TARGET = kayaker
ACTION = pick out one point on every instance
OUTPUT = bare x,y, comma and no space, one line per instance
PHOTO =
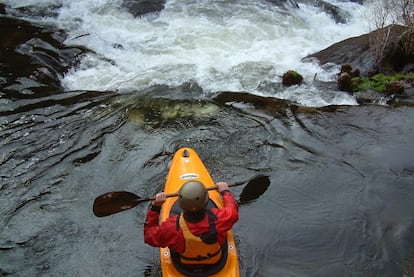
197,233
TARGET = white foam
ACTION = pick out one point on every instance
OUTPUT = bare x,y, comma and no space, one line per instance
222,45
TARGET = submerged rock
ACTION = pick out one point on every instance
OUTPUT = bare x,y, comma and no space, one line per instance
338,14
270,106
142,7
155,111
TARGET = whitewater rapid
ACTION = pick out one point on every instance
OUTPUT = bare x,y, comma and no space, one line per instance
221,45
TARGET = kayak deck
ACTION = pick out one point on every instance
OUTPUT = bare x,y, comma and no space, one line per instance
186,165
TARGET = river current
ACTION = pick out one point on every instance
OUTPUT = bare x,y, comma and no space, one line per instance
341,197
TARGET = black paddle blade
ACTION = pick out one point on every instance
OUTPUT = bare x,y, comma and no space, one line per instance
114,202
256,187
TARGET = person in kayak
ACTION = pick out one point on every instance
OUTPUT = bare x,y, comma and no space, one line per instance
198,233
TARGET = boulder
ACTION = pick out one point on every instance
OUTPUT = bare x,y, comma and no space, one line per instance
142,7
370,57
345,77
291,78
345,82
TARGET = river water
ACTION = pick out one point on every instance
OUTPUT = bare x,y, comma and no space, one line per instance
341,198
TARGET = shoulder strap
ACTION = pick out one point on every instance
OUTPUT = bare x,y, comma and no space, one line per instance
177,223
211,236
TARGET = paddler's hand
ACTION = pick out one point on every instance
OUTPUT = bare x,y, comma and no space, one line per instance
159,199
222,186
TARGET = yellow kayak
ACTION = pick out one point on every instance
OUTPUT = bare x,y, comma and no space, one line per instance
187,165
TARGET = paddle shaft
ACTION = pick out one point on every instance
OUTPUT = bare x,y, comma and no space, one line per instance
176,193
118,201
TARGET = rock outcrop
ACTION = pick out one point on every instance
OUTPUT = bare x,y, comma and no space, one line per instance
395,55
34,58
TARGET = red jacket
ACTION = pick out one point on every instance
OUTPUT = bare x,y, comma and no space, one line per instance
166,234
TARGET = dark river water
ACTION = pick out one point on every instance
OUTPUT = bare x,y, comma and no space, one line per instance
340,201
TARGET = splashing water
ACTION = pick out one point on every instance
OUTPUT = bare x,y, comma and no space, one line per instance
221,45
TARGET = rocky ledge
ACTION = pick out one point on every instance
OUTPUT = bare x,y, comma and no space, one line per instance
381,59
387,50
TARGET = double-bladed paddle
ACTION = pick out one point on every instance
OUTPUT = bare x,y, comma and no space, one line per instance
118,201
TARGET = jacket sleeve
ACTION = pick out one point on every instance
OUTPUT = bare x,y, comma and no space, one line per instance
229,214
159,235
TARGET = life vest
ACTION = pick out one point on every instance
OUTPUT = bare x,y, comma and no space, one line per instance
198,251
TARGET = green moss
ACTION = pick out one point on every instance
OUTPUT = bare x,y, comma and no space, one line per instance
378,82
295,74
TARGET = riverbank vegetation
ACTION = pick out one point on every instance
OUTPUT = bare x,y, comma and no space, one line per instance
393,55
399,12
390,84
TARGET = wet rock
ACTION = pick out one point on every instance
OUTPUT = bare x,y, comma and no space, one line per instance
354,51
191,87
2,8
338,14
3,272
291,78
43,267
345,77
347,68
267,105
282,3
345,82
33,58
360,52
157,112
142,7
118,46
35,11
